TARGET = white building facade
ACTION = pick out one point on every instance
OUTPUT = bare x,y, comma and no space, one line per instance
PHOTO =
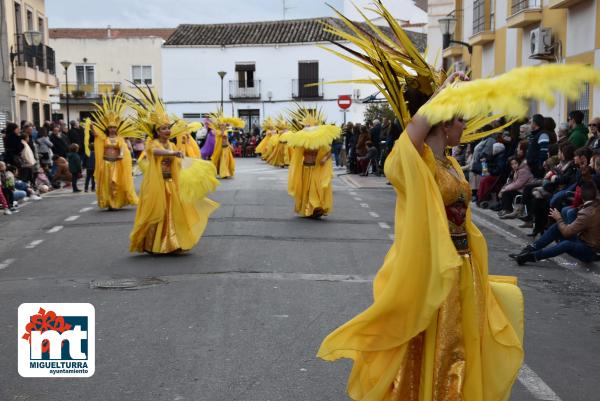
104,61
267,66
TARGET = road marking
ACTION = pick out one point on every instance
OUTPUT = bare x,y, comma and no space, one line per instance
356,198
54,229
267,178
391,236
72,218
6,263
374,215
353,193
365,205
33,244
281,316
94,203
86,209
535,385
384,225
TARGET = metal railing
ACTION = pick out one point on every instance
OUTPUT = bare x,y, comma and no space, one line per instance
301,91
40,56
520,5
90,90
244,89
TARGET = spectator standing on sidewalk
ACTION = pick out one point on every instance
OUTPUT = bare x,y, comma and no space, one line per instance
13,146
44,145
74,165
578,133
594,139
537,151
90,168
28,160
580,239
60,146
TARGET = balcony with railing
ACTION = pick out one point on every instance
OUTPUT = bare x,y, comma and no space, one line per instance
524,13
34,63
88,92
244,90
307,88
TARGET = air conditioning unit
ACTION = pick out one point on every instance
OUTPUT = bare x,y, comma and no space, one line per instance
356,94
541,45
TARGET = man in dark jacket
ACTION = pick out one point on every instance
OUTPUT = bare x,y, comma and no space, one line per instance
376,134
76,135
60,145
537,150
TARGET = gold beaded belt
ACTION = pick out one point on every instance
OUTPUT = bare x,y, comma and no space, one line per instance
110,158
310,164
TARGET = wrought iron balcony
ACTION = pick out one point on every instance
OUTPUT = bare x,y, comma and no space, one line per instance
40,56
249,89
300,90
520,5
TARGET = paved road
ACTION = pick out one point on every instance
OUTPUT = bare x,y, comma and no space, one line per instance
242,315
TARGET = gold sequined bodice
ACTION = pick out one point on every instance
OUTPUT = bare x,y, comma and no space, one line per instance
456,194
112,150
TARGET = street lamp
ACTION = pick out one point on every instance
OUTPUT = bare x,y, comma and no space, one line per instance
222,75
33,38
66,65
447,26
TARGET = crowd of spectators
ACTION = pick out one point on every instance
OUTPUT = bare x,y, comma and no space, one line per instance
538,174
38,160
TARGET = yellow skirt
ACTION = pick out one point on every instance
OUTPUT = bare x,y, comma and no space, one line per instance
316,192
226,164
111,188
279,156
180,229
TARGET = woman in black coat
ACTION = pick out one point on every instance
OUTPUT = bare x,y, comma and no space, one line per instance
13,145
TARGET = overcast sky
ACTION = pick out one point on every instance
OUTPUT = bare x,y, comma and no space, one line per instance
170,13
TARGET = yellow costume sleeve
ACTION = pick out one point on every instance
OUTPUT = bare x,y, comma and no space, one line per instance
216,156
295,171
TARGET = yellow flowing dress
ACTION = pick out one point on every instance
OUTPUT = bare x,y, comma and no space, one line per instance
188,145
278,156
440,328
270,145
164,222
262,146
311,184
113,175
222,156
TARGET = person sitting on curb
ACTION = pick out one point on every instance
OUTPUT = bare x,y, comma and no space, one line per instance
580,239
370,158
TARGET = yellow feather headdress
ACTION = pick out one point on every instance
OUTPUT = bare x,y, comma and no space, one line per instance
151,113
269,124
281,124
218,119
315,133
111,113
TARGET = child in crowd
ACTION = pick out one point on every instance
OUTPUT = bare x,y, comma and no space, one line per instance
90,166
74,165
42,182
60,171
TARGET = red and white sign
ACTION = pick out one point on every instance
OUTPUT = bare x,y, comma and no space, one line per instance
344,101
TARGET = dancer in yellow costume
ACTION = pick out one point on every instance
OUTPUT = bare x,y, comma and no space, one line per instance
440,327
173,210
222,156
279,156
187,144
265,146
113,169
311,170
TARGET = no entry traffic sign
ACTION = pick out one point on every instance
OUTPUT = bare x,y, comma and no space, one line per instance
344,101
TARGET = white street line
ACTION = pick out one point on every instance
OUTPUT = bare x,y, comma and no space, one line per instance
72,218
391,236
535,385
384,225
6,263
54,229
86,209
94,203
356,198
353,193
33,244
374,215
267,178
365,205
